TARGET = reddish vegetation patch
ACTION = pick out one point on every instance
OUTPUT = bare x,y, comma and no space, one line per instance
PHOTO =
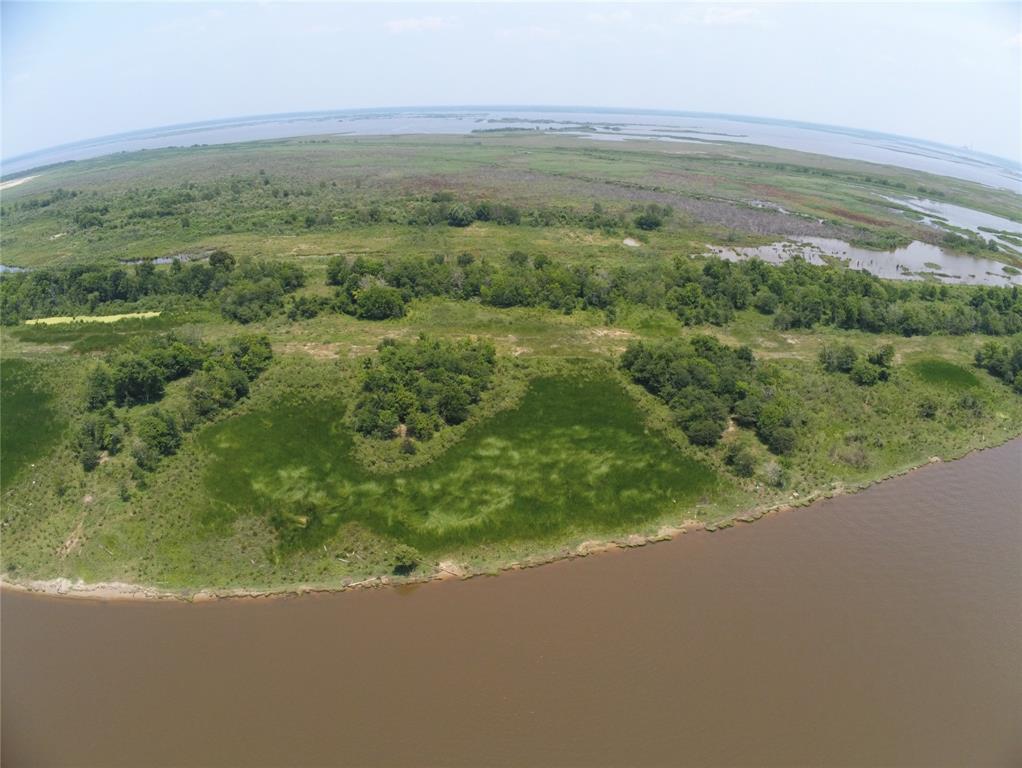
859,217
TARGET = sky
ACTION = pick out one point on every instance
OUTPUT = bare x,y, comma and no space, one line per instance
947,72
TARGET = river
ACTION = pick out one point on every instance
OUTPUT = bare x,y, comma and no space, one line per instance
883,628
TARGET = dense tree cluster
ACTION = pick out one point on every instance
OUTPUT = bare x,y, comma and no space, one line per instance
797,294
705,382
1003,360
866,371
248,291
219,377
417,388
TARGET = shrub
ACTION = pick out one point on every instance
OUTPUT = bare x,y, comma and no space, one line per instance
865,373
405,558
838,358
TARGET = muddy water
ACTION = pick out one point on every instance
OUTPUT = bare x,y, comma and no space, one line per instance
878,629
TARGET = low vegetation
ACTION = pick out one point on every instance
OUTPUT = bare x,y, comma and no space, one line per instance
346,366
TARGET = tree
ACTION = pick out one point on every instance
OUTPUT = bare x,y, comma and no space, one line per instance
99,387
379,302
221,260
136,380
460,216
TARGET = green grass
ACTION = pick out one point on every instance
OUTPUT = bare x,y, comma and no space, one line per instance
575,454
29,425
944,374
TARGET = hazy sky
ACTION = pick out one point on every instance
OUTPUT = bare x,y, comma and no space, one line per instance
946,72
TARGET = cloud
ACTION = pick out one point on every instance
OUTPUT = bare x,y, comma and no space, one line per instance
731,16
1015,41
419,24
614,17
530,32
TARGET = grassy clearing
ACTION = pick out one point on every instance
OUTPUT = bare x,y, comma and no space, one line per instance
944,374
574,453
29,424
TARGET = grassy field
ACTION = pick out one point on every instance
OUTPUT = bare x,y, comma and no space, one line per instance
303,198
281,491
29,425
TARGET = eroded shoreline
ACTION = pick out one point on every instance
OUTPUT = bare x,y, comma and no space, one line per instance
447,570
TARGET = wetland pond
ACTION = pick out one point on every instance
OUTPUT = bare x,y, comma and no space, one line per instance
915,261
883,628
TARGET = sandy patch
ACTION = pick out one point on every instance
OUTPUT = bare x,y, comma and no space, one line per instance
91,319
16,182
448,569
631,242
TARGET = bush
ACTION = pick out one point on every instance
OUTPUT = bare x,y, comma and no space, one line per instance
158,435
927,408
838,358
741,459
405,558
865,373
703,432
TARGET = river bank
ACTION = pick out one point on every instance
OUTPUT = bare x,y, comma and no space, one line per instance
448,569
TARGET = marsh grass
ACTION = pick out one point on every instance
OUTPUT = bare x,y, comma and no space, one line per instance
29,424
575,453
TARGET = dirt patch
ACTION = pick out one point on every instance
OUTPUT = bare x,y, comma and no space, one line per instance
631,242
74,539
612,333
319,351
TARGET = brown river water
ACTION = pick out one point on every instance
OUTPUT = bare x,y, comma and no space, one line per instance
883,628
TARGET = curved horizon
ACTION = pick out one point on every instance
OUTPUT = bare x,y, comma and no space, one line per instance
836,141
403,108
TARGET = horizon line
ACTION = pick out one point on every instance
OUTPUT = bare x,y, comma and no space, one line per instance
267,116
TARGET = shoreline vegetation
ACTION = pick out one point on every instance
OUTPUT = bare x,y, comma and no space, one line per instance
450,570
350,362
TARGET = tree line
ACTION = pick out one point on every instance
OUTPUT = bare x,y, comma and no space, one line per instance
795,294
246,291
